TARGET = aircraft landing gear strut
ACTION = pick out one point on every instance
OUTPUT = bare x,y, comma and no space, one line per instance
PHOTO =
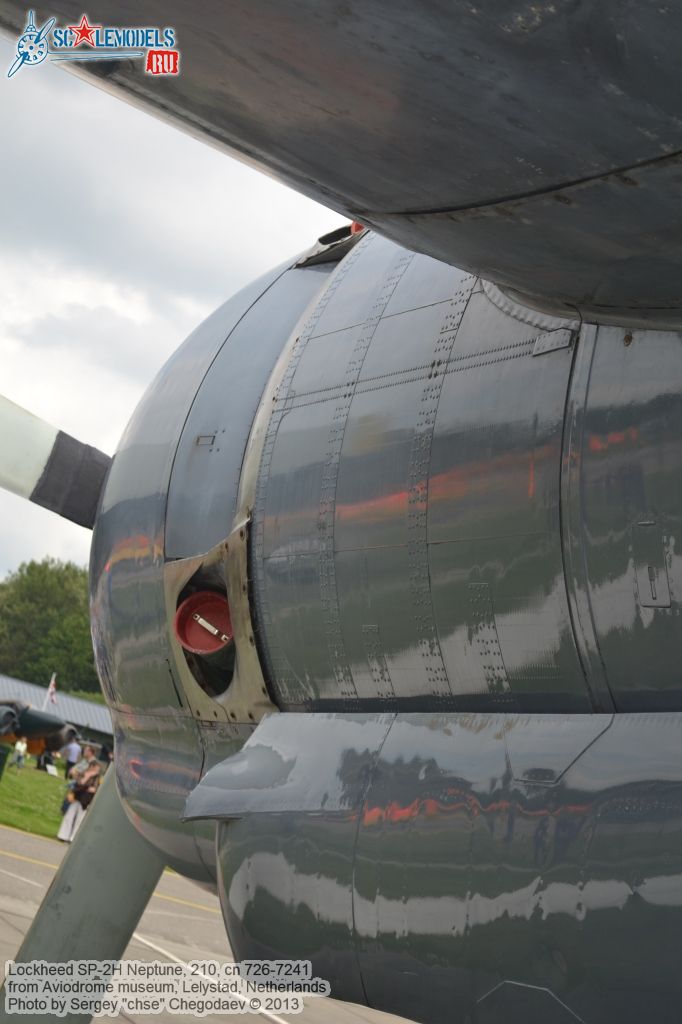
96,898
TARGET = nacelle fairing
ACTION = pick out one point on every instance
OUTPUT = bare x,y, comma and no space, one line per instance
446,527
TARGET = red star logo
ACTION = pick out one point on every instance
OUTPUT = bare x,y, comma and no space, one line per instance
84,32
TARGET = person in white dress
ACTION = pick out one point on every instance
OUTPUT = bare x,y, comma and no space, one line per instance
85,777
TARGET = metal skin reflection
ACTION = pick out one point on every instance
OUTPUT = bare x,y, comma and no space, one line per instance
447,766
459,510
459,889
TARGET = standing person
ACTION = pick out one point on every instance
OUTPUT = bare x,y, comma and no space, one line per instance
44,759
85,776
72,754
20,749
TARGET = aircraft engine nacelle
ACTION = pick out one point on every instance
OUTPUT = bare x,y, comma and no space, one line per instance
386,575
171,527
7,719
431,535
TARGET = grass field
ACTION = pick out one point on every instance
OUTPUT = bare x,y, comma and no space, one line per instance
31,800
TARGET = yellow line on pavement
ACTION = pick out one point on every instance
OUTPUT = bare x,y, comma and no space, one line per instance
186,903
155,895
28,860
54,841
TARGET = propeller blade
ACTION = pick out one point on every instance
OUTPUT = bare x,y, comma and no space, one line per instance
49,467
18,63
46,28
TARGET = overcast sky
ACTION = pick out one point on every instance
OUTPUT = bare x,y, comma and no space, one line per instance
118,235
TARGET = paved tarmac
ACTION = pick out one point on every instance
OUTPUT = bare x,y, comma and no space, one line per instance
182,922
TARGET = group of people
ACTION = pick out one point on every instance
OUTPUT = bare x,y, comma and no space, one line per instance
83,772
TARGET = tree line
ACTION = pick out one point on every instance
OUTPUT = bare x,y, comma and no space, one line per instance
45,625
